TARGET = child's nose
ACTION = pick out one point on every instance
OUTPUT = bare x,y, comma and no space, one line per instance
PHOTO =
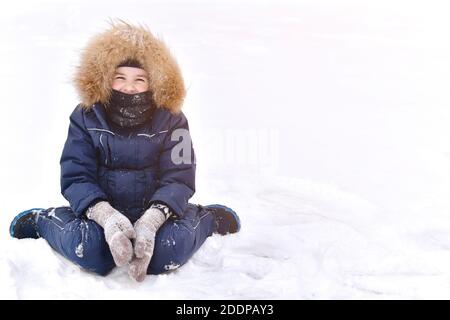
130,89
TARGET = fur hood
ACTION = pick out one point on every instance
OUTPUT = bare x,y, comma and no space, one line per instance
122,41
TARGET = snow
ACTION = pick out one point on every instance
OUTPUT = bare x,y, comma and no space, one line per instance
323,125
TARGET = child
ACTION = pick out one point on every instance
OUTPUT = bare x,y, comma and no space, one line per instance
122,171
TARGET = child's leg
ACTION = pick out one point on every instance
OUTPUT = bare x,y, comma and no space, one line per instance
178,239
80,240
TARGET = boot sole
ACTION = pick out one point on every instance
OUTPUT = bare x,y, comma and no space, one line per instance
20,215
235,224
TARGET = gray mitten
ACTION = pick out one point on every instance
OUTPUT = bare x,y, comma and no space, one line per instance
146,228
118,231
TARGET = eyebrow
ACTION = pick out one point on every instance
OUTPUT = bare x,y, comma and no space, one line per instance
139,75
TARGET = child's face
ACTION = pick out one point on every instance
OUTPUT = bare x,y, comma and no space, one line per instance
130,80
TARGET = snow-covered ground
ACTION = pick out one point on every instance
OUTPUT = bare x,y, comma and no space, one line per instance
324,124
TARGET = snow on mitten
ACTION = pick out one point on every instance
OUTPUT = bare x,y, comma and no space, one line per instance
146,228
118,231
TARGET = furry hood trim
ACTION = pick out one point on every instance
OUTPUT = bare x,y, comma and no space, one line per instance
105,51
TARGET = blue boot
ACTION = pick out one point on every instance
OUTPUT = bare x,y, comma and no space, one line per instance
24,224
225,219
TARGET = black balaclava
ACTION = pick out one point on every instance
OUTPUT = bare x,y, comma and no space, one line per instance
129,110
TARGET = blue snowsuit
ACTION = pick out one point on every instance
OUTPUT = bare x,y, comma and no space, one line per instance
131,169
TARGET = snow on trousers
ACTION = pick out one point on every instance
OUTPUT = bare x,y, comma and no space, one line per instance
82,241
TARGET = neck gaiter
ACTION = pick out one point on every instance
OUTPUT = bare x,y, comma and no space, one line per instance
129,110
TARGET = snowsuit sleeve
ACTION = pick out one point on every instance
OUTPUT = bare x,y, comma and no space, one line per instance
177,180
79,166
